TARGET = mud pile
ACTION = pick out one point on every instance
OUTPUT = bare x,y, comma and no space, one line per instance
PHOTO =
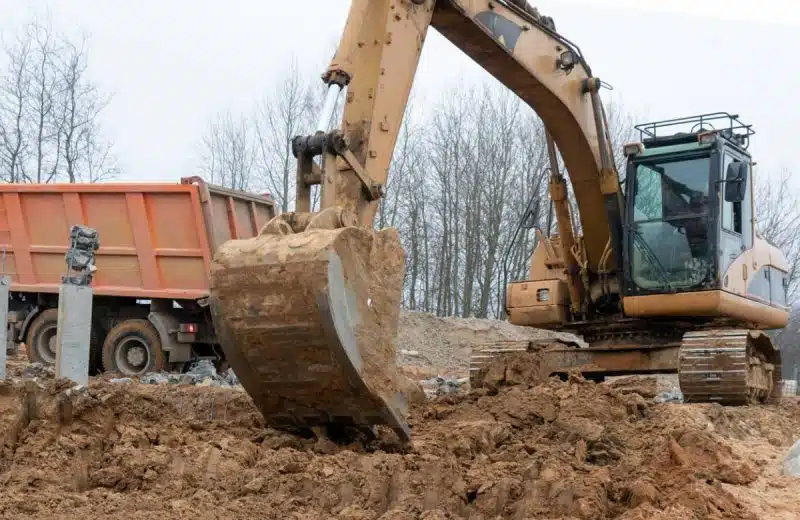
556,450
428,345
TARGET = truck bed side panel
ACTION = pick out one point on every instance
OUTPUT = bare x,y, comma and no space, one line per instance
156,240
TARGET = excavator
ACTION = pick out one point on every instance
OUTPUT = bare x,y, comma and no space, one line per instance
663,272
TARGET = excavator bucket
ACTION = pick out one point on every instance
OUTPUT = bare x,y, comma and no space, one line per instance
307,321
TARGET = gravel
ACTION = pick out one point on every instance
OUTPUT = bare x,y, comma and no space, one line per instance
37,370
439,386
201,373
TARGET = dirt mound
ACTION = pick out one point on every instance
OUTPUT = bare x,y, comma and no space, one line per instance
557,450
442,346
513,369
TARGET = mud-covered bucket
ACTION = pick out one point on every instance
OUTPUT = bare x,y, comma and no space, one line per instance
308,320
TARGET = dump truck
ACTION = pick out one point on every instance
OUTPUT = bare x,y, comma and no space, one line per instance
665,274
151,286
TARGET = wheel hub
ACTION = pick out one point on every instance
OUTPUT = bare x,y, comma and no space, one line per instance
46,346
136,355
132,356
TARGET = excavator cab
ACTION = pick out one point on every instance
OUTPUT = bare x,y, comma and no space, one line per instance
688,248
690,226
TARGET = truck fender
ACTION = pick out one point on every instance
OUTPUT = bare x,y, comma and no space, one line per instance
164,324
26,323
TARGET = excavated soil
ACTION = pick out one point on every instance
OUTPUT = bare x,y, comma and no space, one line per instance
429,345
527,448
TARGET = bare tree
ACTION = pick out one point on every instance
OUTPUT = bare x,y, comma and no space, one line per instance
98,162
14,96
50,110
45,88
253,151
448,158
79,108
285,112
228,151
462,189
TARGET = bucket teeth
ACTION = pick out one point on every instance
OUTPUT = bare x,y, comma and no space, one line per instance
307,322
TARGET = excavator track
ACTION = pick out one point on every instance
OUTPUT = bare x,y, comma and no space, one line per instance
730,367
307,322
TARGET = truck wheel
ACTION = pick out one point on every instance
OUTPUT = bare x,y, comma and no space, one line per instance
133,348
40,341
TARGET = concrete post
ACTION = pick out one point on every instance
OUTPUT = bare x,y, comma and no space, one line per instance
795,378
75,307
5,284
74,330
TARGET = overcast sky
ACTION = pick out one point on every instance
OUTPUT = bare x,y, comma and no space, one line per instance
172,64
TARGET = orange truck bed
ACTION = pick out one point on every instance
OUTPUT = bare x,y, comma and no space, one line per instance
156,239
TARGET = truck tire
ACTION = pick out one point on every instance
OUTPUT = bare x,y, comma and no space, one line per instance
40,341
133,348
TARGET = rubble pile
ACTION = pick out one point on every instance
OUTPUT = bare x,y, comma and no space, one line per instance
35,371
202,373
439,386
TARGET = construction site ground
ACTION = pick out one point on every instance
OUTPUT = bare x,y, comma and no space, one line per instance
526,448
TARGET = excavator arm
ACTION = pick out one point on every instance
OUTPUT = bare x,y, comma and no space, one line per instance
376,61
307,311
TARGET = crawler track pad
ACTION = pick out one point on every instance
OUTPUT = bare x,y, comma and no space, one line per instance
307,321
730,367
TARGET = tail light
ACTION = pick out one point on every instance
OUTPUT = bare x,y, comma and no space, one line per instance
188,328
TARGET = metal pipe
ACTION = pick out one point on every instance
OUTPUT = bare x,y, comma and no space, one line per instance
552,154
609,179
328,107
606,162
566,229
324,121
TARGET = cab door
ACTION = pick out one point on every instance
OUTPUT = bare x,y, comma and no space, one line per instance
735,224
